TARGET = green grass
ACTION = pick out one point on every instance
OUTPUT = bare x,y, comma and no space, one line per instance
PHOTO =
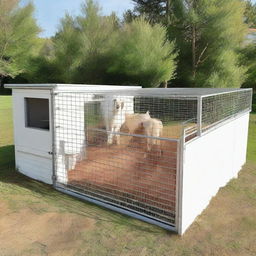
254,103
6,132
251,150
37,220
6,123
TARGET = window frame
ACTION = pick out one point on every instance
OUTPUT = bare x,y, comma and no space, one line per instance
26,114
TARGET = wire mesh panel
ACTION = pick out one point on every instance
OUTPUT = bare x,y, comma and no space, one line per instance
123,175
121,149
219,107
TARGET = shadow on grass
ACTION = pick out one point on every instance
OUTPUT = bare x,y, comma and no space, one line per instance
4,91
6,159
20,184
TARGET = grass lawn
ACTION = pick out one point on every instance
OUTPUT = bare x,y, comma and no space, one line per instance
37,220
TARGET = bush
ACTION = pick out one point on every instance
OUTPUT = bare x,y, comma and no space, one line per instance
143,55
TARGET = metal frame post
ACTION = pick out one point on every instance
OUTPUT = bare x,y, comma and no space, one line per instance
199,116
251,99
179,183
54,177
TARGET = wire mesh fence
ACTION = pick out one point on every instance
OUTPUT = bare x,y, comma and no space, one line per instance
220,107
123,148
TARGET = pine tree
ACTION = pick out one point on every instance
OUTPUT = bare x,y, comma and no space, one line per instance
250,14
18,37
208,34
81,45
155,11
142,55
67,49
248,57
96,36
215,32
93,48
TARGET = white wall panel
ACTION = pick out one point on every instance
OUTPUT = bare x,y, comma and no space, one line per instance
210,161
35,167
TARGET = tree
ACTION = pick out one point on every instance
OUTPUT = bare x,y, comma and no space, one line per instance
96,35
18,37
67,48
93,48
43,67
135,53
215,30
208,34
248,57
155,11
143,55
81,45
250,14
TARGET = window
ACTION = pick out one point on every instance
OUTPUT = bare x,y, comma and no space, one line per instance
37,113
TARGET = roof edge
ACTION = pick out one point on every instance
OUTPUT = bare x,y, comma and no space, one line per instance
64,86
30,86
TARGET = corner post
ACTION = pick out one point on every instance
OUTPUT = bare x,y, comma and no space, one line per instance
179,182
54,177
199,116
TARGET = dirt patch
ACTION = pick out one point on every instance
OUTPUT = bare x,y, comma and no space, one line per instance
226,227
42,233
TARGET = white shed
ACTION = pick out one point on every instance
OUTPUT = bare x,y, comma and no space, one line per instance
185,145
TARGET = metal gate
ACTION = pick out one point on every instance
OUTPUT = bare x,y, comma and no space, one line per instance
132,171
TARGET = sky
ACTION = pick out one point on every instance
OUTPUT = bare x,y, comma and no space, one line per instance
49,12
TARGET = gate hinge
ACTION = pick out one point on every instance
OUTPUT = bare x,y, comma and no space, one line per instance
50,153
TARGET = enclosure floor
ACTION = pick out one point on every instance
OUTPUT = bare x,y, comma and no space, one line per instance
127,173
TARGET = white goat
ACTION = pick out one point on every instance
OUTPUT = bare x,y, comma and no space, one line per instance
153,128
114,116
133,121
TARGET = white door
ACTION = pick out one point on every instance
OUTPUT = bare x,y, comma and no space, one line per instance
33,136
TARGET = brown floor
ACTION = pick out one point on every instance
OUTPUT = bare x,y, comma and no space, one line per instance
127,173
